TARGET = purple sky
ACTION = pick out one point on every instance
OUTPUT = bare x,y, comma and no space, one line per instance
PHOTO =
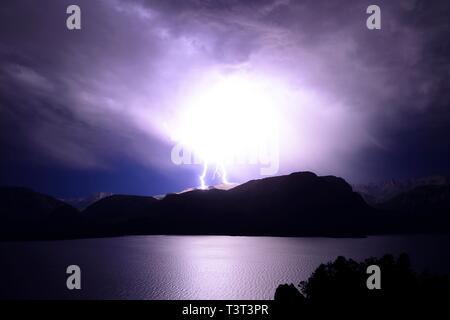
89,110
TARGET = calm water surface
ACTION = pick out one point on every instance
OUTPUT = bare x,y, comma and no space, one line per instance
191,267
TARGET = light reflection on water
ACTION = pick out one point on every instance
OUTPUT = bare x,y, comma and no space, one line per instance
191,267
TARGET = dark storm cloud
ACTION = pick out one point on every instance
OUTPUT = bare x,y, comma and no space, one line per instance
63,89
85,98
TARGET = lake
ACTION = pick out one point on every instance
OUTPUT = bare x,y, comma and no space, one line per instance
192,267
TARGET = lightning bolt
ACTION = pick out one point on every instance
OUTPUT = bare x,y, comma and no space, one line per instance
219,166
203,175
223,173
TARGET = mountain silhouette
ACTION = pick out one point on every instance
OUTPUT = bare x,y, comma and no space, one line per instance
299,204
421,200
422,209
377,193
26,214
296,204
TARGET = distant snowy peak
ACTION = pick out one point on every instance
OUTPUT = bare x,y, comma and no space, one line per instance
375,193
83,203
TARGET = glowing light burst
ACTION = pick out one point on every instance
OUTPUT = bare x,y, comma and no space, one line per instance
219,166
225,121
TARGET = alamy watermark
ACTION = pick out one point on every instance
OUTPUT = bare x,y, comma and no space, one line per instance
73,281
265,155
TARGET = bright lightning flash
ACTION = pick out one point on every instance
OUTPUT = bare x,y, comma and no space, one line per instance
225,121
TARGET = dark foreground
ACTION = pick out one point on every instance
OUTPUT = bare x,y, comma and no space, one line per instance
339,289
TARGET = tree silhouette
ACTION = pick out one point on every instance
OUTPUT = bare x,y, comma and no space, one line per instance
339,288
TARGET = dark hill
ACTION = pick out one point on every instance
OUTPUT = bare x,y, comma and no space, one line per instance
28,214
120,207
297,204
111,215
